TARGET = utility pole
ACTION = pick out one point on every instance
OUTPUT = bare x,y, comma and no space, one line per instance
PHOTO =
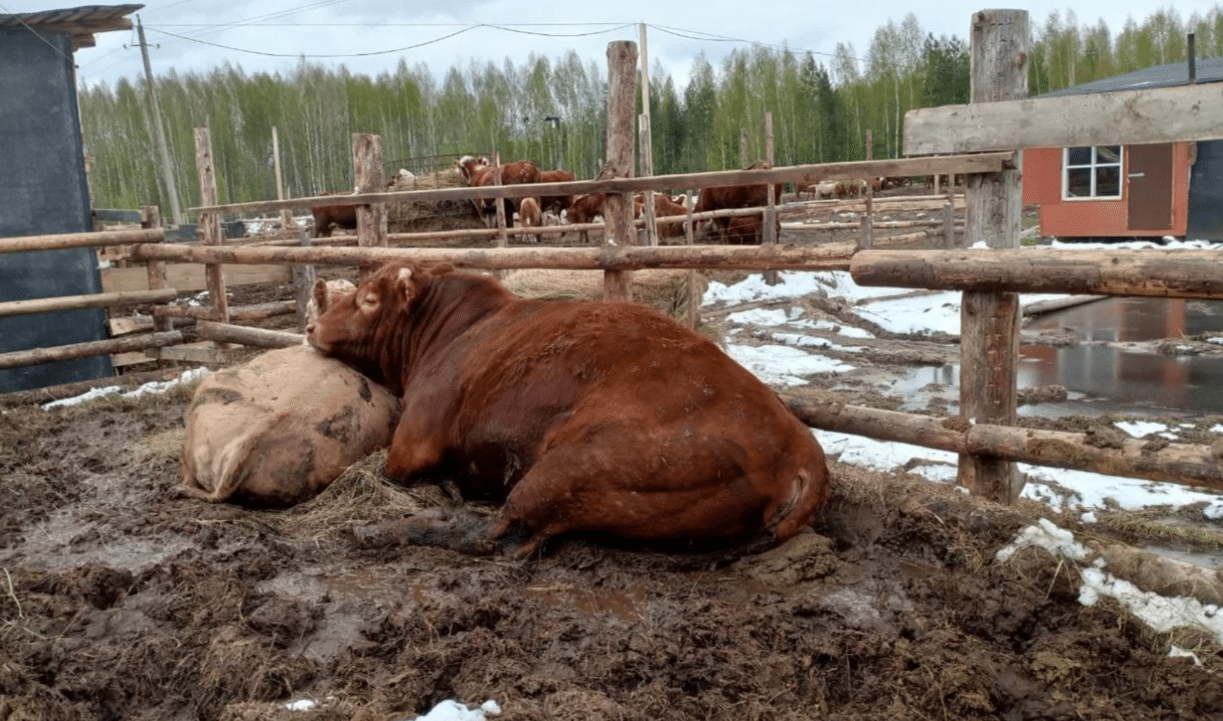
166,168
647,151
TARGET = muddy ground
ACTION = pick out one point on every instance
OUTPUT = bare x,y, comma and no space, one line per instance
120,600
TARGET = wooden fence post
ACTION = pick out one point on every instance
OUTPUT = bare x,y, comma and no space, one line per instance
768,229
868,227
367,174
618,207
150,217
210,222
650,226
303,282
948,225
989,322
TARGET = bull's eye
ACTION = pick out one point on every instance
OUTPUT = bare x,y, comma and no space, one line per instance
370,301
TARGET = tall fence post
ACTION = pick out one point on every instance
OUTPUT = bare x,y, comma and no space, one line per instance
989,322
367,175
150,217
210,222
618,207
868,218
768,224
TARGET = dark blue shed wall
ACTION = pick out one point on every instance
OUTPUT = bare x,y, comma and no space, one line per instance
43,190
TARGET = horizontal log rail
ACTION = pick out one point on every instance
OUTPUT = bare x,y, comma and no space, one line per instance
259,337
800,174
1179,463
77,302
830,256
1131,273
81,240
37,356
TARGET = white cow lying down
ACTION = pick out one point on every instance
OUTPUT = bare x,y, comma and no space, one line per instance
280,428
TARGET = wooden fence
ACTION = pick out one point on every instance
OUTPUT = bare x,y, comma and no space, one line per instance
984,434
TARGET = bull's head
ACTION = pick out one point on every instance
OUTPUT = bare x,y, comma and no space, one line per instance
365,328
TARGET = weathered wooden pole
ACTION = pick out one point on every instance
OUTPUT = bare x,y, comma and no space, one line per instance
367,174
650,227
989,322
503,239
868,228
948,225
210,222
768,230
646,145
303,282
690,238
286,216
618,207
150,218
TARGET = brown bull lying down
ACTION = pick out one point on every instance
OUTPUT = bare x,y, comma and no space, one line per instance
281,428
600,417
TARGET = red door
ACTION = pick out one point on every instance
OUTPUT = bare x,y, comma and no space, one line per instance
1150,187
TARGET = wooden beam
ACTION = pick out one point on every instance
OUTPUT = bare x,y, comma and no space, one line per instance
209,222
367,174
190,278
259,337
1127,273
799,174
1155,115
1185,464
80,240
37,356
829,256
205,353
618,206
94,300
989,320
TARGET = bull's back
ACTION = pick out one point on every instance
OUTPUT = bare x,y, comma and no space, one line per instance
280,428
536,366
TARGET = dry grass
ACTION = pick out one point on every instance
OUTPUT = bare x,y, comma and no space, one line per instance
360,496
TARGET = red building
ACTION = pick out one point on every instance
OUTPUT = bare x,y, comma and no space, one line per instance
1123,191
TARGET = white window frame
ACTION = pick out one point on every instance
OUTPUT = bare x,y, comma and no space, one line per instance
1094,166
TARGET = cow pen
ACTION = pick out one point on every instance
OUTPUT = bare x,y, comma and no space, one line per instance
992,276
910,601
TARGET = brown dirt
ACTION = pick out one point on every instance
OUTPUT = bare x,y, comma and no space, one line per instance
120,600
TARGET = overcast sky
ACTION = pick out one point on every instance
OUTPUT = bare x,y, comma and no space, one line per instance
445,34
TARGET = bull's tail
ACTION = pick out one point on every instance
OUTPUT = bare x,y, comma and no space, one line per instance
809,490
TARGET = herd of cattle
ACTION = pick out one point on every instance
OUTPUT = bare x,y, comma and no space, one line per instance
535,211
593,417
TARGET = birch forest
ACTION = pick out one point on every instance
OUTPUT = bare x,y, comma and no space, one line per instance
553,110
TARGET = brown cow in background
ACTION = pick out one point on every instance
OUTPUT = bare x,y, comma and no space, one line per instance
584,209
477,172
556,203
329,217
736,196
589,417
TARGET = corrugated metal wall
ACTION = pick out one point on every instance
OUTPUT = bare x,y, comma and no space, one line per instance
1206,193
43,190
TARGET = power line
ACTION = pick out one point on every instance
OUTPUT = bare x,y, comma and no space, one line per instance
302,55
460,31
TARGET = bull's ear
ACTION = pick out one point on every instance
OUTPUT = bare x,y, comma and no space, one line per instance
320,294
369,267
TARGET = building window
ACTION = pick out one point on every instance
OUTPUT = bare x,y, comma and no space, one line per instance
1092,172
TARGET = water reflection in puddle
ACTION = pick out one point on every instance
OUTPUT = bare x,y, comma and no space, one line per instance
1108,378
